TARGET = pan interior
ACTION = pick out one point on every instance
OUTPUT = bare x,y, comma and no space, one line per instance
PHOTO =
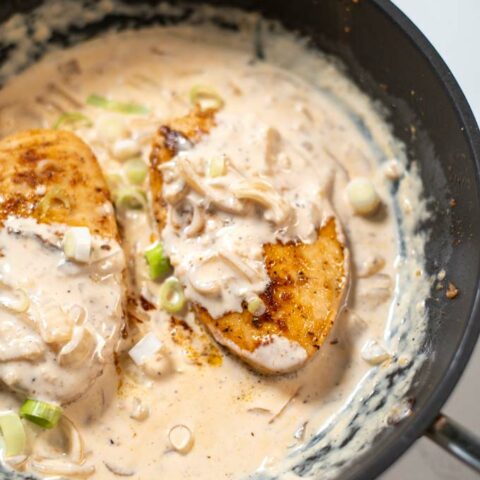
439,149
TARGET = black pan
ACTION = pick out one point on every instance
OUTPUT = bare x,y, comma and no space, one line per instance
392,61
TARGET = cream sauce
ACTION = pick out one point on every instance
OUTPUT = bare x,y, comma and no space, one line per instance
286,179
57,343
329,133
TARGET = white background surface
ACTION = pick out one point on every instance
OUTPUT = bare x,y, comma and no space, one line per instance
453,27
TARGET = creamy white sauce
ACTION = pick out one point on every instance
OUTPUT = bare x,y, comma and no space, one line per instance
330,133
278,355
275,189
60,342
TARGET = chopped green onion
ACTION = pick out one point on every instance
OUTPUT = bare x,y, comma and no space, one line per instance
115,106
172,298
206,98
158,264
363,196
136,171
77,244
145,349
256,306
72,119
44,414
217,167
55,198
131,198
13,434
181,438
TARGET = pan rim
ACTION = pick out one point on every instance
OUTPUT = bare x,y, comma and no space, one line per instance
372,466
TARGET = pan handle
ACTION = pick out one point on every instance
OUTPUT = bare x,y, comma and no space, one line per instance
456,440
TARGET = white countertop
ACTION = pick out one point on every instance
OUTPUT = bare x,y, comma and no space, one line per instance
453,27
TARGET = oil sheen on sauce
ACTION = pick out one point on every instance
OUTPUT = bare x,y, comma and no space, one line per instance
324,132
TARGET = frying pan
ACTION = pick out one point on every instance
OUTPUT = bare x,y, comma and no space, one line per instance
392,61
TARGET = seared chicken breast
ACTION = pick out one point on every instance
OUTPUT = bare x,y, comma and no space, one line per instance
61,281
39,165
306,286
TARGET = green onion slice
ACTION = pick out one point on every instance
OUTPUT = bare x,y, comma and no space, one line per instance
158,264
44,414
172,298
13,433
205,98
130,198
55,198
217,167
115,106
136,171
256,306
72,119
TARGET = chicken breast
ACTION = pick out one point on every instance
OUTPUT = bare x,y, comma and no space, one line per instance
60,308
306,281
52,176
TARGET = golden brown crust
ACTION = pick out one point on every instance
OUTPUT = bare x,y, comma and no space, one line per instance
307,282
305,292
53,176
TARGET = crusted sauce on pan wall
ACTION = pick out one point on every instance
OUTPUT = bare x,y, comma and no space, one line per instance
297,122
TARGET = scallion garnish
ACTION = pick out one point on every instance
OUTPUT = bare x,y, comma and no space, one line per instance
131,198
158,264
172,298
256,306
181,438
113,105
217,167
77,244
136,171
55,198
72,119
44,414
145,349
205,98
13,433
